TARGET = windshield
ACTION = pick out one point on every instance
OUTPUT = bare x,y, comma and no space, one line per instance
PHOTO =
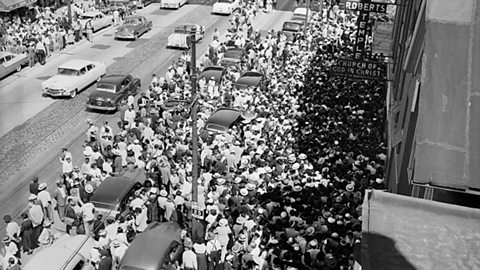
67,71
86,17
233,54
291,26
106,87
224,1
132,21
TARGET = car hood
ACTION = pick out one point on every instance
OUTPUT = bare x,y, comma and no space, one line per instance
127,27
101,95
221,5
60,81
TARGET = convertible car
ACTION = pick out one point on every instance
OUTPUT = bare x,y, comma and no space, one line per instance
178,39
172,3
10,62
98,20
72,77
225,6
292,28
111,90
232,57
133,27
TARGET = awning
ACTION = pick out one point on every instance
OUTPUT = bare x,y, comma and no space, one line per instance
447,143
9,5
400,232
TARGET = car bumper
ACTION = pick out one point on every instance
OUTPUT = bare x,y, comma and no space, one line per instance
169,5
124,36
221,11
55,93
101,108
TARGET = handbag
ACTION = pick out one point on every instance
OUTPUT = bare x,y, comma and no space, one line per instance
68,221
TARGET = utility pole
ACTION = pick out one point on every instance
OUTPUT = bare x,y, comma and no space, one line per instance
306,19
198,230
193,77
69,12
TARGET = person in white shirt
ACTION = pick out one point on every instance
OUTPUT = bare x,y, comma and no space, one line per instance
45,200
189,258
117,249
141,219
88,210
12,230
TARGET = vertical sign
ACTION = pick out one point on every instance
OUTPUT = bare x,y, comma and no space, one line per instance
362,32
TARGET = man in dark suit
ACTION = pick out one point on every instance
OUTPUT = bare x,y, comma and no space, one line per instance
70,217
60,196
34,186
105,260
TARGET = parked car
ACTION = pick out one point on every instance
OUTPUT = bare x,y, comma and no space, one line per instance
300,14
67,253
97,19
121,6
223,119
232,57
250,79
142,3
111,196
111,90
172,3
291,28
225,6
72,77
11,62
179,37
133,27
151,249
215,72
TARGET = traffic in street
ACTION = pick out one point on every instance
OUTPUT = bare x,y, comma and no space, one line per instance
210,135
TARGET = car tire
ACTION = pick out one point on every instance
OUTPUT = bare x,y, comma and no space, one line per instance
73,93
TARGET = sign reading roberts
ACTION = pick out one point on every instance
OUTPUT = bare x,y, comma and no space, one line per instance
359,69
366,7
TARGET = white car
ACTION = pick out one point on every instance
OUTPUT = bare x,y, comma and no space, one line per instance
300,14
72,77
178,39
172,3
66,253
97,19
225,6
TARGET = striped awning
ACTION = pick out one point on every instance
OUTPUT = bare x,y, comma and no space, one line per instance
9,5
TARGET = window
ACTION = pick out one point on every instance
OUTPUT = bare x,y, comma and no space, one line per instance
126,82
83,71
2,60
90,67
79,265
8,57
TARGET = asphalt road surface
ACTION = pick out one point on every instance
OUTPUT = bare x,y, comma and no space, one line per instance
62,121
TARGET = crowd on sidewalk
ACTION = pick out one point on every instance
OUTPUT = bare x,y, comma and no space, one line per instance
39,32
282,189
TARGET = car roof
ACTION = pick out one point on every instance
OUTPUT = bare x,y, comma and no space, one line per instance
213,71
113,79
149,248
76,64
91,13
3,54
302,10
56,256
236,52
224,117
112,190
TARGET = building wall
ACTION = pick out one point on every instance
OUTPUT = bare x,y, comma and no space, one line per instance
403,88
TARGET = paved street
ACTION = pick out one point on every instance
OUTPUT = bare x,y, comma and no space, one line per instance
33,147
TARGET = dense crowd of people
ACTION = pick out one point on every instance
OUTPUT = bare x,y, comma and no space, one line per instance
282,189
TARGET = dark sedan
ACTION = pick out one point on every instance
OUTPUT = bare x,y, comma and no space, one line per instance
111,196
111,90
291,29
250,79
232,57
223,119
133,27
215,72
155,248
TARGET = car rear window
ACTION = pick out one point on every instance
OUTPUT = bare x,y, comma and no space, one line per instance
106,87
67,71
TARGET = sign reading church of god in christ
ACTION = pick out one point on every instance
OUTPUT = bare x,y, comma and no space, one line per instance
359,69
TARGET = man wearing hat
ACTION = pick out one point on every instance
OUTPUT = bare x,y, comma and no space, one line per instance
92,131
12,229
46,236
88,215
189,258
60,196
34,186
105,262
35,214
